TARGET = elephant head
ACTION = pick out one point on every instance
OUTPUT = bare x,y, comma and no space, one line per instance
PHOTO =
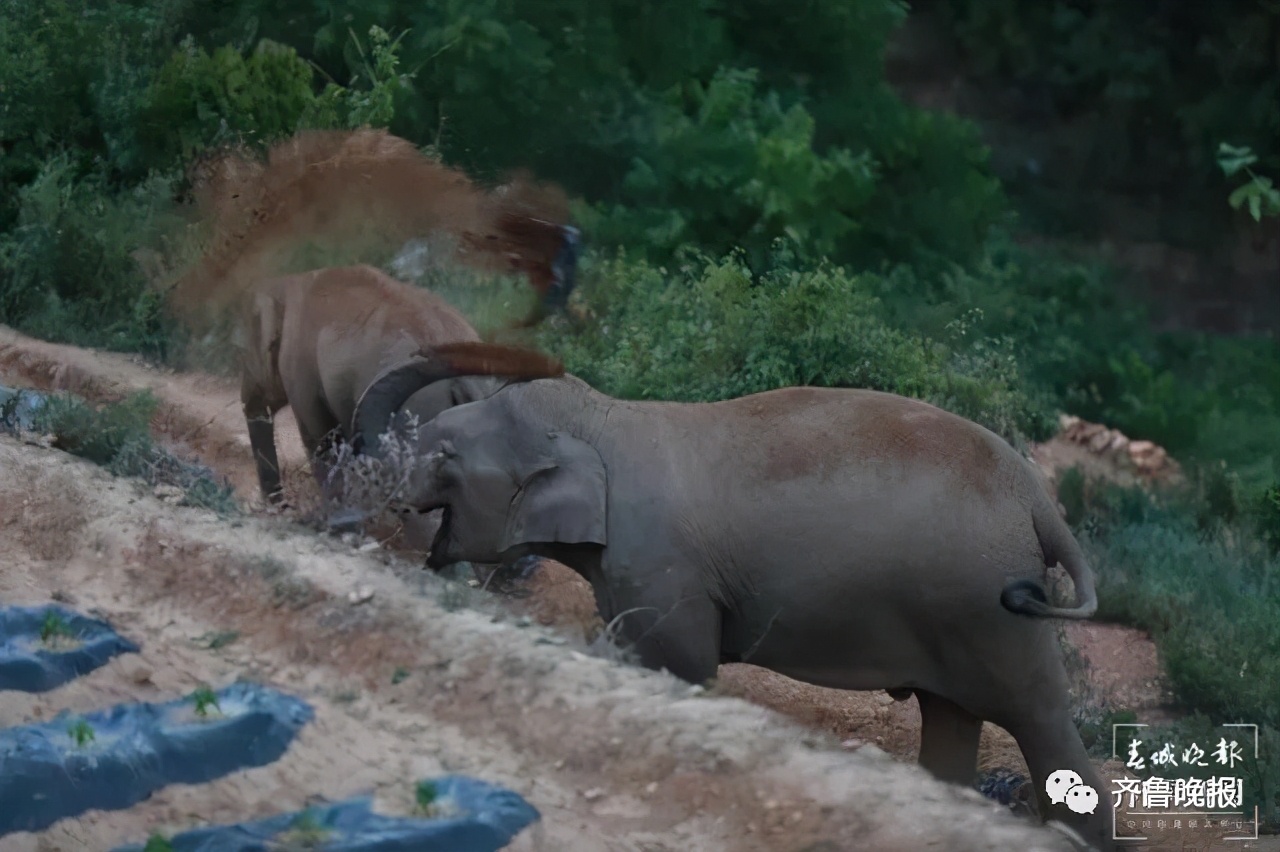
501,484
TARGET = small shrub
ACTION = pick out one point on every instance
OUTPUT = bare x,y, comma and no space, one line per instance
426,795
97,434
201,487
54,629
67,269
305,832
157,842
81,732
1210,598
206,701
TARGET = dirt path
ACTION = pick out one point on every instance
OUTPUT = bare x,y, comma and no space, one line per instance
200,416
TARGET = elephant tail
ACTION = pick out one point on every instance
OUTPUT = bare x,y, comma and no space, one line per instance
1028,597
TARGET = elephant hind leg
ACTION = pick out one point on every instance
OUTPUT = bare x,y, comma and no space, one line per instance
949,737
1050,744
1035,708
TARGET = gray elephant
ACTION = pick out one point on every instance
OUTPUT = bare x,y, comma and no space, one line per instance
846,538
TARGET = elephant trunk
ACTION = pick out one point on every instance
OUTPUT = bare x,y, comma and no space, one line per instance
393,386
564,270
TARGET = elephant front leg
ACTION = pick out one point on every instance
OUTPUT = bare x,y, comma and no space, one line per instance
259,416
682,637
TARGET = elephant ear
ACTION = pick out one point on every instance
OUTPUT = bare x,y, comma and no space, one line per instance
562,498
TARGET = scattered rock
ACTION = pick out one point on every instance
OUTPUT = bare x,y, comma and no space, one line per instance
593,794
360,595
1142,457
139,673
170,494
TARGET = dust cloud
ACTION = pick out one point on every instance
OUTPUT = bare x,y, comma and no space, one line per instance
351,196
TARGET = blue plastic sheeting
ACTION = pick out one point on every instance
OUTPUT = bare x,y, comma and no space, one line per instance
28,664
476,817
137,749
18,407
1006,787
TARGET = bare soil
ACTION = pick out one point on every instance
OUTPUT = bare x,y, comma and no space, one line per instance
613,756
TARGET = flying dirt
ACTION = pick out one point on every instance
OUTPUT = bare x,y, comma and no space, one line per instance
367,192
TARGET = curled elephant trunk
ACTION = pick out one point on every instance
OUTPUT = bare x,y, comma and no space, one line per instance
389,391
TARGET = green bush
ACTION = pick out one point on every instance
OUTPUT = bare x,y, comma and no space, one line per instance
713,330
1209,596
199,99
66,269
99,435
729,168
117,436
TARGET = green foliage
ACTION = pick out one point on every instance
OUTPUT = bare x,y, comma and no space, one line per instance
72,75
1209,594
117,436
426,795
200,98
85,193
54,628
350,106
713,330
684,121
157,842
81,732
728,167
1150,88
98,435
206,701
66,268
305,832
1259,193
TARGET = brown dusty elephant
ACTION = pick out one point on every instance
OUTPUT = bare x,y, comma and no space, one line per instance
314,341
846,538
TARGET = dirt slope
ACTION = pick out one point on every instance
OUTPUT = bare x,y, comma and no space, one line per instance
199,416
616,758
